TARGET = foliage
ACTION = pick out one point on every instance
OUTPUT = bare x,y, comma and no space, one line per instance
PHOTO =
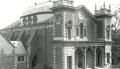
116,20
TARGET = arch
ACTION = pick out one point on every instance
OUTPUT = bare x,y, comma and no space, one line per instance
78,58
81,30
98,57
89,58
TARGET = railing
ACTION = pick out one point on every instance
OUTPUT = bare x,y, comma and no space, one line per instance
58,3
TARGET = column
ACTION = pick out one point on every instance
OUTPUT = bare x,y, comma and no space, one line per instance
94,61
84,58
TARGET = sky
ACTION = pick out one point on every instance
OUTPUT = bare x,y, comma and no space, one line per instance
11,10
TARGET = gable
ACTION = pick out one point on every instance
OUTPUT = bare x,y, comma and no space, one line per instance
85,12
5,46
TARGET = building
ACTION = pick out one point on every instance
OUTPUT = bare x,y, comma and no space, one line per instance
12,56
61,36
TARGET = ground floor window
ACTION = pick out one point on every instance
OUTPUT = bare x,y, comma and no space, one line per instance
20,58
108,57
98,57
69,62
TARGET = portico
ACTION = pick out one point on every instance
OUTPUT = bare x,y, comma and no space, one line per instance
89,57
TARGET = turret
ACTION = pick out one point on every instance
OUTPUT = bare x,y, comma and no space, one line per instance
103,17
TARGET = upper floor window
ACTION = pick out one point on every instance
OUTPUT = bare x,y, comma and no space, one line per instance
81,30
69,29
21,58
108,31
77,31
85,32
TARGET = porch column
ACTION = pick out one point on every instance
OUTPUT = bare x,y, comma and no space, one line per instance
94,61
84,58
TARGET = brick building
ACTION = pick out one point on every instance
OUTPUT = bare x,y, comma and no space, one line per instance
61,36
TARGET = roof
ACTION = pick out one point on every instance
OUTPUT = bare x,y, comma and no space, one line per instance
19,48
5,46
41,7
15,24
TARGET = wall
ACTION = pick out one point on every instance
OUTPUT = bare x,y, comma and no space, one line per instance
7,62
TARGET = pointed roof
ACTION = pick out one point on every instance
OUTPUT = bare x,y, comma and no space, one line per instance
5,45
85,10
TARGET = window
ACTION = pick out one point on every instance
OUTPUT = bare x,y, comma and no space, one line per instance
69,33
69,29
108,57
108,31
69,62
85,31
81,30
77,31
20,58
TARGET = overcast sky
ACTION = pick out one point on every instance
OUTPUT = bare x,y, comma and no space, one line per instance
11,10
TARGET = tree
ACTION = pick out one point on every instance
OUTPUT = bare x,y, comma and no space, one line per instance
116,20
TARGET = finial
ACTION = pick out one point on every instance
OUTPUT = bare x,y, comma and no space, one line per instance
50,0
104,5
109,6
95,7
35,3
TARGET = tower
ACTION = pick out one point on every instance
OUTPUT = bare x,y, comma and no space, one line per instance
103,16
63,12
103,21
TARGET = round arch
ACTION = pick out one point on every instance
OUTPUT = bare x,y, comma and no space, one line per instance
78,58
99,57
89,58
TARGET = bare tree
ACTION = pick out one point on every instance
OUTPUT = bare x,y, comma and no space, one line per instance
116,20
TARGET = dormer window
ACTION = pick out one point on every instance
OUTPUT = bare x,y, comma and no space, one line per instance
69,29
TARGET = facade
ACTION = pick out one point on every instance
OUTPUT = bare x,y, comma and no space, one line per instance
62,36
10,54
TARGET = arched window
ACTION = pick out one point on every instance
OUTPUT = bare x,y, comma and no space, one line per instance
81,30
85,32
108,31
69,28
77,31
